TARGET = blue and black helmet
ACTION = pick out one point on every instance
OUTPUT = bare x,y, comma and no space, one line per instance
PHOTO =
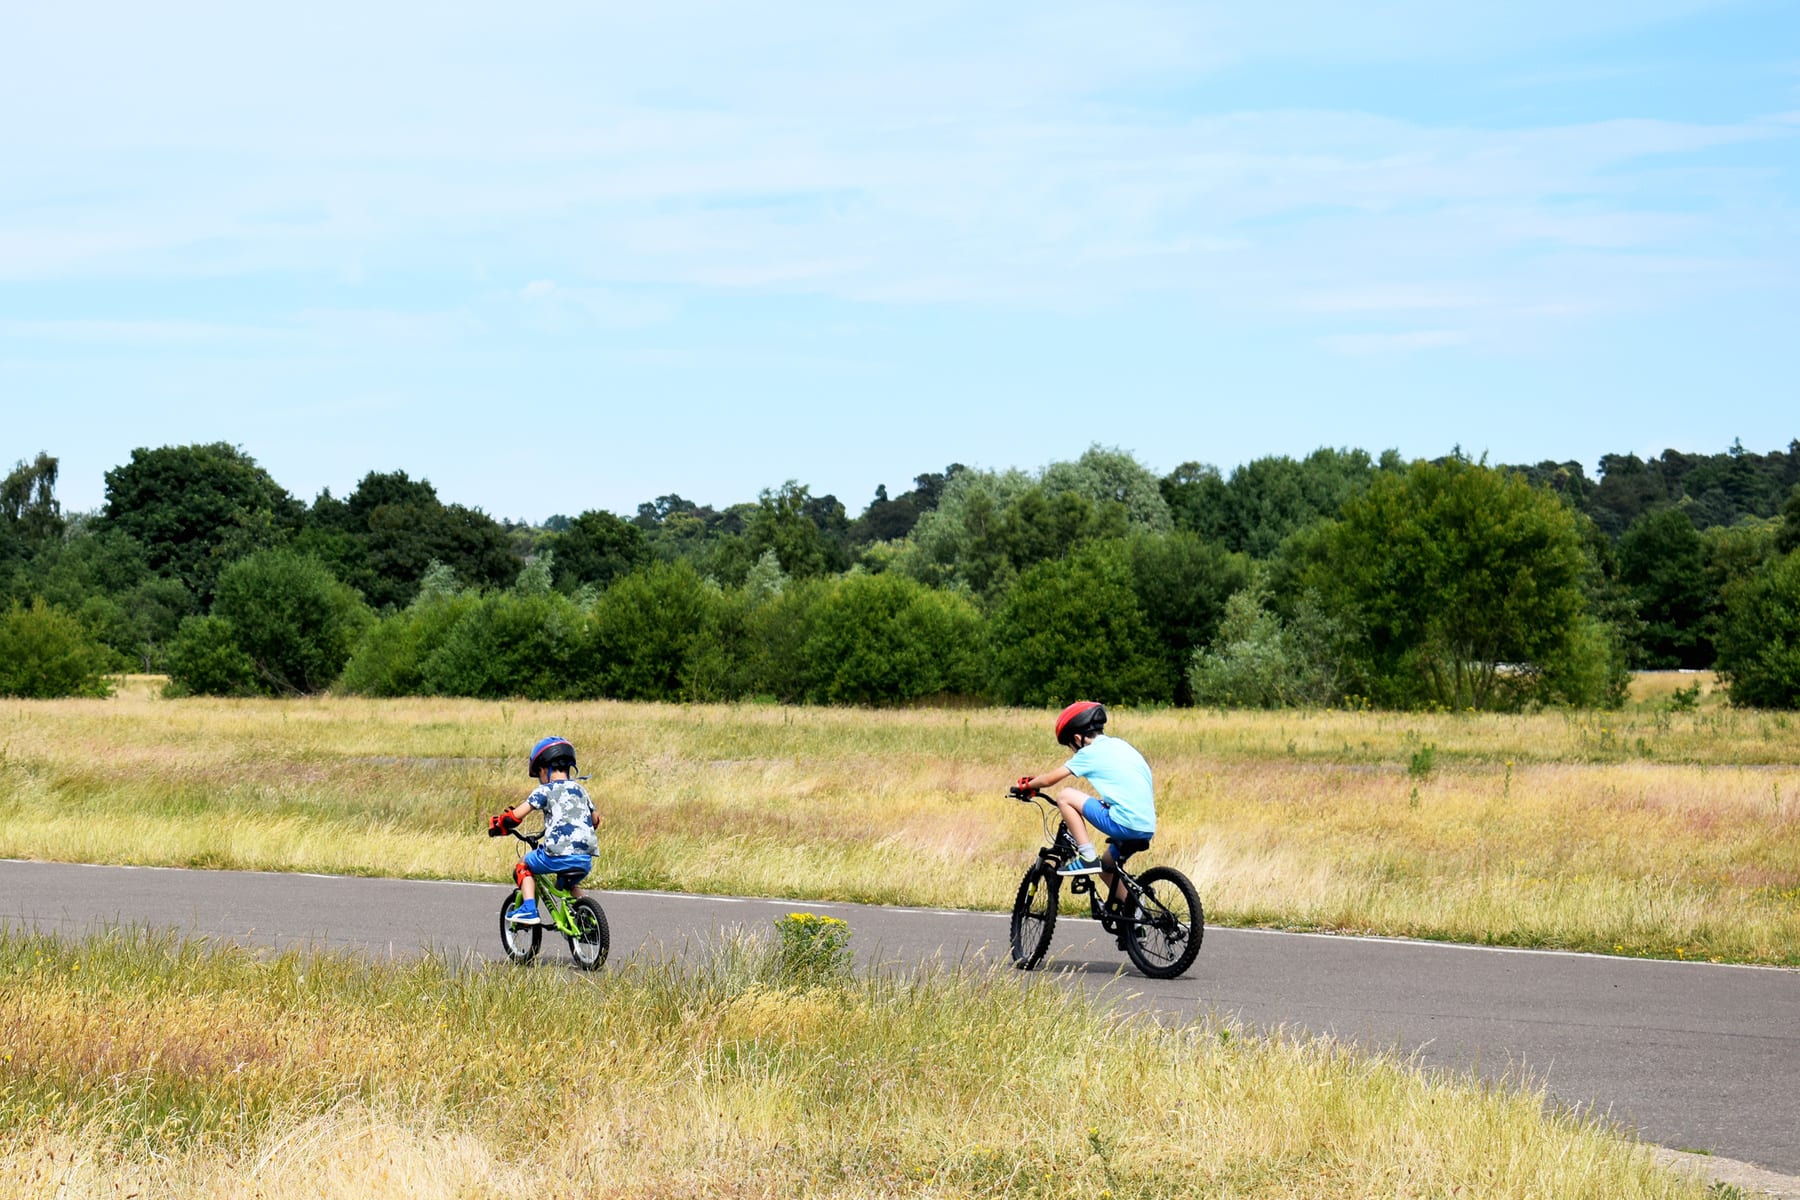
553,752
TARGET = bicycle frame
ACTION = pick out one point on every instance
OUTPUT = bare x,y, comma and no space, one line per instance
558,897
1060,848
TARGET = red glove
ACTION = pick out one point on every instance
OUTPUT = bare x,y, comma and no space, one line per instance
501,824
1021,791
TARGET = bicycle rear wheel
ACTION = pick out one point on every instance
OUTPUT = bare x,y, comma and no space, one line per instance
520,942
1164,938
594,938
1034,916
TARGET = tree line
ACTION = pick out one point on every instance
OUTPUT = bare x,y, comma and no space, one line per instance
1338,578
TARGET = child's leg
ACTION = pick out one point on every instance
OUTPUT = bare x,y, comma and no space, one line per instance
1109,878
1068,803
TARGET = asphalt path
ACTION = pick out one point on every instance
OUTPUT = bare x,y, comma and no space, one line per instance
1691,1056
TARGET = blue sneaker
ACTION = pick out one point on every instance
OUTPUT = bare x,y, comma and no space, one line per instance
1080,866
525,914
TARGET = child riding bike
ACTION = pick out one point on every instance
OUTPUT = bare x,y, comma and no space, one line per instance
568,846
1125,810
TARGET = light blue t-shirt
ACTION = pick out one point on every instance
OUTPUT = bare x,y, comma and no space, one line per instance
1122,777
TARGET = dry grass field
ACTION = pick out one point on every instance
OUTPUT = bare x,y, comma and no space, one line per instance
135,1066
1643,832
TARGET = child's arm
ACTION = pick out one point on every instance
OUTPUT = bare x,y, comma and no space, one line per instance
503,823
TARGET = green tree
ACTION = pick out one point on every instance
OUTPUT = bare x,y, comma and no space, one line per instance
1268,499
1107,475
596,548
293,619
776,631
1759,643
1259,660
30,517
46,652
195,508
101,575
204,659
1074,629
1182,583
404,539
511,643
1663,561
1466,584
1040,525
659,634
1197,498
962,542
1787,537
888,639
808,534
390,658
887,520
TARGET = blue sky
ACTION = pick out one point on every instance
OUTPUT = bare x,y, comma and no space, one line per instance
575,256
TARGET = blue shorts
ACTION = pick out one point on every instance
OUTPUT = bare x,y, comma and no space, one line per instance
1101,818
569,869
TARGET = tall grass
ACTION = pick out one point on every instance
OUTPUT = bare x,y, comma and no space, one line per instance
133,1064
1650,832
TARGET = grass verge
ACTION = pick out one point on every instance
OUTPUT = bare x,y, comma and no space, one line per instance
134,1063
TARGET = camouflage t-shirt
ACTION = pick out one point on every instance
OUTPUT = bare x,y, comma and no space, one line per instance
568,818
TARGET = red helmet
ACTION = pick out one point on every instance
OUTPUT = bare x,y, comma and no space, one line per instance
1085,718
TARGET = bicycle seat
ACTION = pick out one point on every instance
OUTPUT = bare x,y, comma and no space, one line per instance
1123,850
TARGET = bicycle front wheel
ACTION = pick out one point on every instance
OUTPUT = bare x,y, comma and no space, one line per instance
592,937
1164,937
519,941
1034,916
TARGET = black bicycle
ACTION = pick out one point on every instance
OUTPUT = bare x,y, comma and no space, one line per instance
580,919
1159,923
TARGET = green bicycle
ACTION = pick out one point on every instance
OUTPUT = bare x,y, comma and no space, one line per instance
580,919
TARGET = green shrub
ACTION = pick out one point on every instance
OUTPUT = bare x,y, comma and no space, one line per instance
292,618
513,644
1463,582
205,659
1183,584
661,634
1759,645
773,660
46,652
390,659
887,639
1072,629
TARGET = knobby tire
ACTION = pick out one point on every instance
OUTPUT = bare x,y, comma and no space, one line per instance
520,942
1034,916
589,950
1168,941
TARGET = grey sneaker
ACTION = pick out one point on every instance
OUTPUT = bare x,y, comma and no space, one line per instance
1080,866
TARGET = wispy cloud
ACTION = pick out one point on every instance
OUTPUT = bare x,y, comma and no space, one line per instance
1408,342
